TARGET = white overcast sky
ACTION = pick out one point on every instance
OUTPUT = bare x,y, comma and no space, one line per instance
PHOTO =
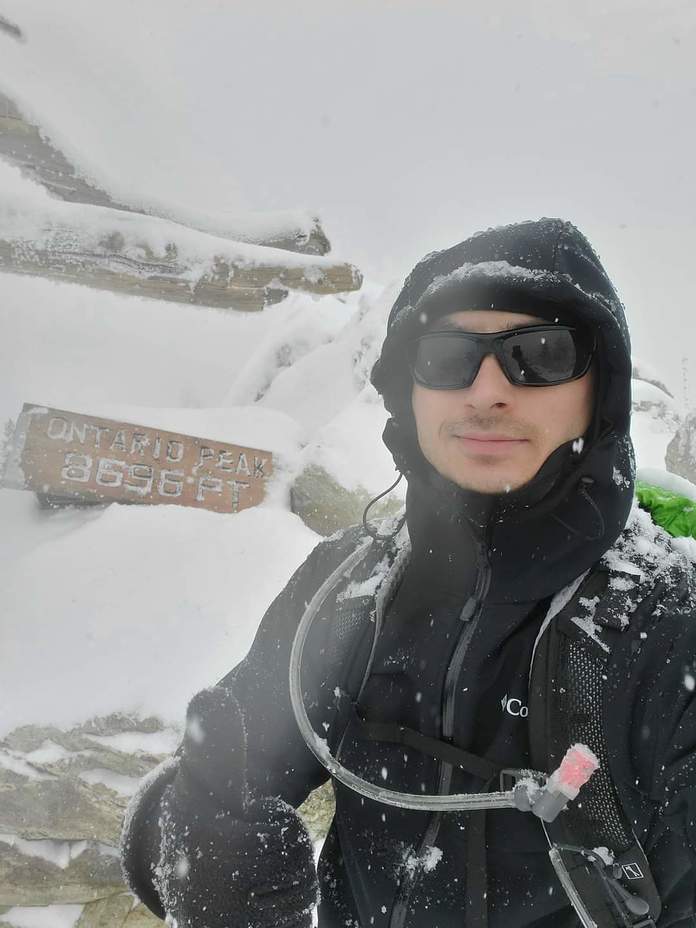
407,125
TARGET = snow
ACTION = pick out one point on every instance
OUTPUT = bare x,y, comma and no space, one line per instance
605,855
586,622
363,588
58,853
645,371
619,478
345,447
31,217
687,546
160,606
426,862
16,764
49,916
483,269
382,571
118,782
648,393
650,431
136,608
159,111
156,742
77,348
660,477
591,629
49,753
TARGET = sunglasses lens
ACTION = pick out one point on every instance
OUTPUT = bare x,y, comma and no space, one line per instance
445,360
538,357
551,356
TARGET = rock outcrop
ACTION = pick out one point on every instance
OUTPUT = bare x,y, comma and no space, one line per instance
64,795
681,451
326,506
242,263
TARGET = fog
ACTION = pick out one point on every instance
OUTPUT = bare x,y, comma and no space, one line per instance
406,125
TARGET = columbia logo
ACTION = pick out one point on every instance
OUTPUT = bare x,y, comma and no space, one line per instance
514,707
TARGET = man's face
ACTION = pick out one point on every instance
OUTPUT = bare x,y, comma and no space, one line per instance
494,435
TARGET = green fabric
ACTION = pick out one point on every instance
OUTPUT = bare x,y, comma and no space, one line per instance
676,514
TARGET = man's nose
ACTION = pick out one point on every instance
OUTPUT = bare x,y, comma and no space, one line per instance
490,387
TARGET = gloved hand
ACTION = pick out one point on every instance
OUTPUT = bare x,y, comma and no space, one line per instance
227,860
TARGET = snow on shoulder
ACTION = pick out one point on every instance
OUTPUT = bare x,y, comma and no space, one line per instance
644,554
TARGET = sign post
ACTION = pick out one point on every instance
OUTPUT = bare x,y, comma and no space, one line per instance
68,457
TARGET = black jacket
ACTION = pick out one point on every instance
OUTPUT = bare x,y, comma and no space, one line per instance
376,863
462,609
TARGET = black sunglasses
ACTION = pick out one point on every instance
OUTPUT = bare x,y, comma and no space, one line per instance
532,356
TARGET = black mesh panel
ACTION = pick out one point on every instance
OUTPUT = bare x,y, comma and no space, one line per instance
595,817
347,621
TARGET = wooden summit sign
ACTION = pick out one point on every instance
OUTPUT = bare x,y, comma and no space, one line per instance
68,457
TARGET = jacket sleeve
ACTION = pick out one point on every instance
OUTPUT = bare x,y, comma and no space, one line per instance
654,727
278,761
674,720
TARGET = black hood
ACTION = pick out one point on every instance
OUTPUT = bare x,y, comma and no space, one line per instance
577,504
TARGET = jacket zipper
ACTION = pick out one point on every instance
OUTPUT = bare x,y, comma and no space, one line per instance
470,616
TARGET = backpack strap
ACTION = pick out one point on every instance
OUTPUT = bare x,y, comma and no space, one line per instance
593,848
341,640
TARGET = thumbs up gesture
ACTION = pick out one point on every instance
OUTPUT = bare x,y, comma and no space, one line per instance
228,860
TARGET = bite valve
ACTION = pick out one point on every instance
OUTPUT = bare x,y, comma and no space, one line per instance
548,800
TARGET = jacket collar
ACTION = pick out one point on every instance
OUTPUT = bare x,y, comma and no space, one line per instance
535,540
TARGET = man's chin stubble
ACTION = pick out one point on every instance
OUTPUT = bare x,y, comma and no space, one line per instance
494,485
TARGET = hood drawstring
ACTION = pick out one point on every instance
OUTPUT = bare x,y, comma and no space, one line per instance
370,531
584,483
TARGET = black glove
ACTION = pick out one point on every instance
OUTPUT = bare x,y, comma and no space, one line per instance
227,860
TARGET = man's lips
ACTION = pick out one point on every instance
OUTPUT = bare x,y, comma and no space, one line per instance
488,443
487,436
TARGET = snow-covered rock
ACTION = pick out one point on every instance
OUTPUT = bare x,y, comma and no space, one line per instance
680,456
145,255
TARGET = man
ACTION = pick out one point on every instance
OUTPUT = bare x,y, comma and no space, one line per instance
522,607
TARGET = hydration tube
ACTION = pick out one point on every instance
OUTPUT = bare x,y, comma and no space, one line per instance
533,792
457,802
